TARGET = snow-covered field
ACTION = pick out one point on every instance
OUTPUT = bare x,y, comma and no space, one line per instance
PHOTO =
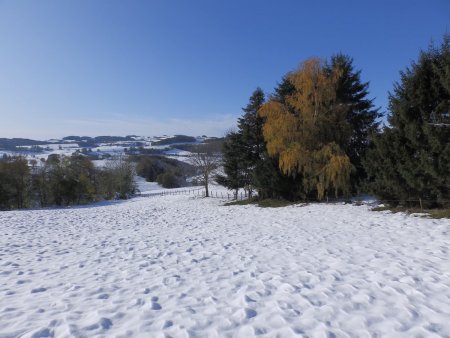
145,187
189,267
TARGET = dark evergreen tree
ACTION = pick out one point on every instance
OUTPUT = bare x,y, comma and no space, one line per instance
250,127
283,90
251,140
272,183
242,150
362,116
410,160
246,161
233,163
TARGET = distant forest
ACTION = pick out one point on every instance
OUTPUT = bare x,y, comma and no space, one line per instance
63,180
15,144
175,139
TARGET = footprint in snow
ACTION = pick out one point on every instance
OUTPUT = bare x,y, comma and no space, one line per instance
155,304
23,281
43,333
104,323
38,290
174,280
249,300
167,324
250,313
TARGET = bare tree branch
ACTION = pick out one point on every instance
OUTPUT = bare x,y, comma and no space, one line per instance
206,162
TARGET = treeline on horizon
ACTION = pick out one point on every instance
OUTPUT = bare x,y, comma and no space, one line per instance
318,135
62,181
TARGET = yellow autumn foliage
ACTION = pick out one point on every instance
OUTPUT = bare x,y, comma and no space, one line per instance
302,132
315,90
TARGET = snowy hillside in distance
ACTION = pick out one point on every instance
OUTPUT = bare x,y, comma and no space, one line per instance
100,146
181,266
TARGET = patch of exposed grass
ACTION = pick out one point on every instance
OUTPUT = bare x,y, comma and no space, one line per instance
440,213
399,209
242,202
433,213
267,203
384,208
271,203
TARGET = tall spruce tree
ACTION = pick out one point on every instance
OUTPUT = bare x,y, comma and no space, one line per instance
232,162
242,149
361,115
410,160
252,139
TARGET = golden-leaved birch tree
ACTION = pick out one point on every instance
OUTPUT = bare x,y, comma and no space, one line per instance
306,131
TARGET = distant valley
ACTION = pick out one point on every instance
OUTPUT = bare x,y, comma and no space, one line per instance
101,147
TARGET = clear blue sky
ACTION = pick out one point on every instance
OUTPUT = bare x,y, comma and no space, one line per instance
102,67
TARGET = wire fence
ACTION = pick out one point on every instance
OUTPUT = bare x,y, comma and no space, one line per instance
201,192
171,192
228,196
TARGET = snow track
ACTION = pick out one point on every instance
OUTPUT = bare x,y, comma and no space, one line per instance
188,267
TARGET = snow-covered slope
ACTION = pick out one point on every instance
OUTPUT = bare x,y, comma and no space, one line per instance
190,267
